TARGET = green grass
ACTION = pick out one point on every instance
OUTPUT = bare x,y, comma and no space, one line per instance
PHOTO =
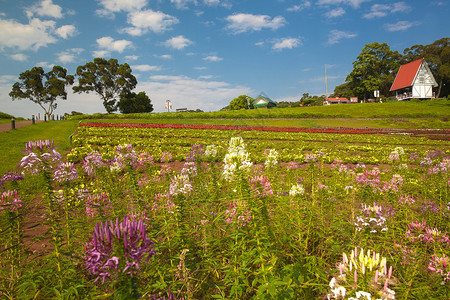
12,142
399,123
422,109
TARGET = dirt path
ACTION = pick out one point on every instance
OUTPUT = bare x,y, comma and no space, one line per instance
7,126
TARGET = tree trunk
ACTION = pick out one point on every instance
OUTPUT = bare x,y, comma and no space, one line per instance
439,90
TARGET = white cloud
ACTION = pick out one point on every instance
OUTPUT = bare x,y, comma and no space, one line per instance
113,6
239,23
182,4
286,43
131,57
191,93
400,26
101,53
301,6
19,57
143,21
107,43
66,31
70,55
146,68
382,10
336,36
400,7
46,8
45,65
7,79
213,58
353,3
164,56
33,36
334,13
178,42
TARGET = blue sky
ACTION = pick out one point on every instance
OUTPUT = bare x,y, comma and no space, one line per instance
203,53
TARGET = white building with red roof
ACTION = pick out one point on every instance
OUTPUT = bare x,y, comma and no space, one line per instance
414,80
330,101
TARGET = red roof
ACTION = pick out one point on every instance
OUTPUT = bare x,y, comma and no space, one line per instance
406,74
336,99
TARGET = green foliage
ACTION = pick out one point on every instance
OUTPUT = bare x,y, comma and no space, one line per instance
42,88
291,246
373,70
241,102
12,142
437,56
135,103
428,108
107,78
5,116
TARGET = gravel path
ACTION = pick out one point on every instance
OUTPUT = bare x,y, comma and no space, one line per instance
7,126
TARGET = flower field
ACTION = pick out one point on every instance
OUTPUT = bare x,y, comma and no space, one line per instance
225,212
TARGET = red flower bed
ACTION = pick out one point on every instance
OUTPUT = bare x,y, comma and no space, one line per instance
436,133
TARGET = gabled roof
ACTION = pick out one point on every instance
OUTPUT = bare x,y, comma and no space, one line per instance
406,75
264,97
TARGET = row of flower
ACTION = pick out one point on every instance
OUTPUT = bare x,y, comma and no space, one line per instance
370,149
216,224
341,130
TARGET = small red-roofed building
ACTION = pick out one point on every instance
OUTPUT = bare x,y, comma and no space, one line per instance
330,101
414,80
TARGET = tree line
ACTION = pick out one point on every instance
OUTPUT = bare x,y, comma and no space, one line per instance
376,66
112,81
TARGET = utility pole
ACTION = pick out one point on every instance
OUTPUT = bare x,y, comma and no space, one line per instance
326,83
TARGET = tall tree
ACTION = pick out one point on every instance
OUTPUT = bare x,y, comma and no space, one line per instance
135,103
374,69
107,78
42,88
241,102
437,55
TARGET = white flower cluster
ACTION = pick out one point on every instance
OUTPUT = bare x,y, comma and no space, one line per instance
211,151
296,189
373,272
271,158
236,158
180,185
371,217
396,154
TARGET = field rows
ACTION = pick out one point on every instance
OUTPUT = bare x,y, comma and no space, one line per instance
179,213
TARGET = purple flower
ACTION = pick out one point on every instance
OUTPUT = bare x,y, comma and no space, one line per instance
430,206
39,146
12,176
195,153
40,154
10,200
98,203
441,266
260,186
166,157
421,232
65,172
92,161
238,213
117,247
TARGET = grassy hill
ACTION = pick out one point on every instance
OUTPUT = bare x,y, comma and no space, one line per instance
422,109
